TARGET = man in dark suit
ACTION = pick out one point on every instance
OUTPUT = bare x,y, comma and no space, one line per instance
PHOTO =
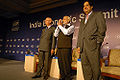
44,49
64,33
91,35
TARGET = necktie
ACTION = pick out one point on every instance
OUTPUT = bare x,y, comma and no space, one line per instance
87,17
46,28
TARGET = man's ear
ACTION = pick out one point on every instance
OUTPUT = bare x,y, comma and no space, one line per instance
51,22
92,7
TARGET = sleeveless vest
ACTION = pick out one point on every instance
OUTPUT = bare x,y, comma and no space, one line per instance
64,41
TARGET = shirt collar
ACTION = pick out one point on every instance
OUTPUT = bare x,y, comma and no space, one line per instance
68,24
49,26
90,13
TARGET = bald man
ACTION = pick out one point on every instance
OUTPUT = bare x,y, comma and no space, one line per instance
64,33
44,49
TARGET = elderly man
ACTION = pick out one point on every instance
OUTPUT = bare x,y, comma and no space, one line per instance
64,33
45,46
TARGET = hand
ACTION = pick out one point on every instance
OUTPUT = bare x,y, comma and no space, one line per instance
60,22
55,51
52,51
78,49
38,49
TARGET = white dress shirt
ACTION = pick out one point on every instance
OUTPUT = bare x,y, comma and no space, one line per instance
65,31
49,26
88,17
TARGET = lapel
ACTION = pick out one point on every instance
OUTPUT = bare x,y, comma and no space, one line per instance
82,25
88,20
45,31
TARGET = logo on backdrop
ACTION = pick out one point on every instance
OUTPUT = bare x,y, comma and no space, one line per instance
15,25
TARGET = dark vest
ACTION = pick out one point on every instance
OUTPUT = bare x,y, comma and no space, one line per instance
64,41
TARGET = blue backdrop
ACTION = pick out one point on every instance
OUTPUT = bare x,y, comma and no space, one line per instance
24,31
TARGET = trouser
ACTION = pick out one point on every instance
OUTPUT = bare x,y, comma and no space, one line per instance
44,64
91,63
64,61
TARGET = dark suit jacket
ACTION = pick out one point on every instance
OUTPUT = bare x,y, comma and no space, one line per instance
93,32
46,39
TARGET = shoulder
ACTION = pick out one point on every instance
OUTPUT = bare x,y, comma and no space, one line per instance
98,13
43,28
53,27
70,24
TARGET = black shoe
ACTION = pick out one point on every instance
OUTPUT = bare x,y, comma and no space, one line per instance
62,79
36,76
68,78
45,77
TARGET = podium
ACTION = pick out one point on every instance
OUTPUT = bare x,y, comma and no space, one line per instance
54,71
79,70
30,63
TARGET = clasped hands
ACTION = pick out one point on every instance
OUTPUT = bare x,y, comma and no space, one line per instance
60,22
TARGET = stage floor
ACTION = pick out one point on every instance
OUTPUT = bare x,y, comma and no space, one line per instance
14,70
